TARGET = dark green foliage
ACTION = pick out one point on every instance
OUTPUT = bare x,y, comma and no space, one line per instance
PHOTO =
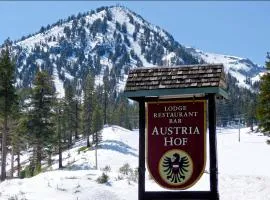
67,31
60,128
41,125
264,99
131,19
7,80
88,107
97,124
104,178
118,26
241,104
70,112
109,15
26,173
22,174
125,169
107,168
99,26
124,28
82,149
7,101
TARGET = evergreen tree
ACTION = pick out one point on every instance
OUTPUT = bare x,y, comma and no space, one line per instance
60,129
19,138
106,87
264,99
70,112
251,113
18,131
97,125
7,101
88,106
41,125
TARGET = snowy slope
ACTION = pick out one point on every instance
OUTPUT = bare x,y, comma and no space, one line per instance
240,68
243,170
51,39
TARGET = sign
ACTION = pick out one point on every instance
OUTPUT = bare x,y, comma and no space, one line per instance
176,142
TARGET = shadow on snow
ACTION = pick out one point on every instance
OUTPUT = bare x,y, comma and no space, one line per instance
115,145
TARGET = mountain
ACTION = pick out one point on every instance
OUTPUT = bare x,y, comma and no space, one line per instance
243,69
109,41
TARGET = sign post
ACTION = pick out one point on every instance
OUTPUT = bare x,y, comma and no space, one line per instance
174,103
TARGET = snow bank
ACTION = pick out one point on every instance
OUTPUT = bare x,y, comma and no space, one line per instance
243,170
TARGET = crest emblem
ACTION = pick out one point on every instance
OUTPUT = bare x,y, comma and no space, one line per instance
176,167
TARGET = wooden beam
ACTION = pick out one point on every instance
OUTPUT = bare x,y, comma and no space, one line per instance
213,147
176,91
141,181
183,195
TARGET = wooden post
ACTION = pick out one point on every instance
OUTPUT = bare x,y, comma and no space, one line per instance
141,189
239,129
213,147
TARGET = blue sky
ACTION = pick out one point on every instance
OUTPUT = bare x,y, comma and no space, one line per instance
234,28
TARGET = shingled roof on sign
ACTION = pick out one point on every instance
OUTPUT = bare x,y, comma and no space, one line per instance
186,79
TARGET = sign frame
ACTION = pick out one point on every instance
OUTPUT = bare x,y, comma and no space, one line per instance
206,81
213,193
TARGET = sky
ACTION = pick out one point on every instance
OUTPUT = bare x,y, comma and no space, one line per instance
233,28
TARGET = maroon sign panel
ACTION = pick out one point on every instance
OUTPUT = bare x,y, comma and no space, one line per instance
176,142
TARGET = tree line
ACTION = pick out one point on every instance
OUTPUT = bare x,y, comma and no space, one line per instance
37,120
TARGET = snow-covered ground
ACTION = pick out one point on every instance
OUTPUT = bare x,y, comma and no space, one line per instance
243,170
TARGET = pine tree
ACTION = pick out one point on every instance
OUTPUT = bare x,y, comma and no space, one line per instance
97,125
19,138
77,121
41,125
60,129
106,83
264,99
7,100
251,113
88,106
18,132
70,112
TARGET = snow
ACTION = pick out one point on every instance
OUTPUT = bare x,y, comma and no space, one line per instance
258,77
58,83
39,62
238,67
122,83
243,170
168,58
120,14
241,79
227,60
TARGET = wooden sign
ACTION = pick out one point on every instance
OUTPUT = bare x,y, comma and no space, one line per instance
176,142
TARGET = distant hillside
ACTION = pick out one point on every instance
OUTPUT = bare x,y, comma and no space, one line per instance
243,69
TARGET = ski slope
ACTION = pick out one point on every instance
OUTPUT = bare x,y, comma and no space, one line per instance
243,170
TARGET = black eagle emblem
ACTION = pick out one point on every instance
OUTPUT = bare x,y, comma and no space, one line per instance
176,167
